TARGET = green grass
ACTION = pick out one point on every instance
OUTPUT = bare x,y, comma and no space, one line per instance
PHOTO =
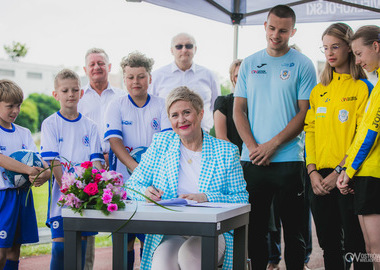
43,249
35,250
40,196
103,241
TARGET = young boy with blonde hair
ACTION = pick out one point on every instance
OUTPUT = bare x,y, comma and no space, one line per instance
67,138
18,224
131,122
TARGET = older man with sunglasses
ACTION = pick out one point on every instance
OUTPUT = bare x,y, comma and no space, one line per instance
184,72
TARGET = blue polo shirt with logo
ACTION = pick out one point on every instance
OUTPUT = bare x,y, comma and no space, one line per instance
272,87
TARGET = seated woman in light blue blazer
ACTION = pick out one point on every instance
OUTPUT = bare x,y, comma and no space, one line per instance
187,163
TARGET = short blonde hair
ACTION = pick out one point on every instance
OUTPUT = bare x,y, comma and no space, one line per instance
97,51
137,59
236,63
183,93
10,92
65,74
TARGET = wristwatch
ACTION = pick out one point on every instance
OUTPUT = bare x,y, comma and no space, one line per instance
338,169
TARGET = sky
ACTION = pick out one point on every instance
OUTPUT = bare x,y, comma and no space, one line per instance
60,33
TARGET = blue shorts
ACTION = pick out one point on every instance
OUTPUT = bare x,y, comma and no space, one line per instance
133,236
18,223
56,228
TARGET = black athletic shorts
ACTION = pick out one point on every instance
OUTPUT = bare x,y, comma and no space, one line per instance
367,195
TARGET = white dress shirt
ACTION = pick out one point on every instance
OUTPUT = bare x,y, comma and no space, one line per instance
197,78
94,106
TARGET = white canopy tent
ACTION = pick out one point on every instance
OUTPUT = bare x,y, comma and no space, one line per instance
254,12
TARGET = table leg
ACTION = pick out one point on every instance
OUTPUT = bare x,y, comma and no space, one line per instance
73,250
240,247
209,252
119,251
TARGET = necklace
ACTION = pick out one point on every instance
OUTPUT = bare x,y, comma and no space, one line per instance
189,155
189,159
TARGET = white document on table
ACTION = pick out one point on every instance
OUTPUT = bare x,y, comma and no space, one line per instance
186,202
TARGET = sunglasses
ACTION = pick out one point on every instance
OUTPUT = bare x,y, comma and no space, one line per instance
187,46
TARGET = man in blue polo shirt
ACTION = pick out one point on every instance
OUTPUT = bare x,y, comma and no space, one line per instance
271,101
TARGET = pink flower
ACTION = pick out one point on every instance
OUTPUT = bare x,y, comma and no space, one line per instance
64,190
112,207
86,164
67,179
117,177
106,175
118,182
73,201
91,189
79,171
94,171
107,191
79,184
123,195
97,178
107,198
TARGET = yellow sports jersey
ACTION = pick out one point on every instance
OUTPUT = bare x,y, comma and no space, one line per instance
364,154
335,112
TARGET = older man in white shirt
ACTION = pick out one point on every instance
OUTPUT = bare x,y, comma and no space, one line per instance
184,72
98,93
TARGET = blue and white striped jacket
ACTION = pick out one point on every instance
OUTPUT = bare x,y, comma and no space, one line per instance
221,179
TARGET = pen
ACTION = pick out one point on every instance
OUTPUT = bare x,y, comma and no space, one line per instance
159,193
155,189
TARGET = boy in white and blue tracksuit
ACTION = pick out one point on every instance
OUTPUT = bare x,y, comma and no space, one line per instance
67,138
18,224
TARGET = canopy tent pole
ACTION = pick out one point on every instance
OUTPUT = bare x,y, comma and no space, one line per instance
236,40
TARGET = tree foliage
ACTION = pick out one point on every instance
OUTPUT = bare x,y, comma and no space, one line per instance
35,109
46,106
16,50
226,88
28,116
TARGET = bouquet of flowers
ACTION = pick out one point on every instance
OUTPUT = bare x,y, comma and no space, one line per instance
90,188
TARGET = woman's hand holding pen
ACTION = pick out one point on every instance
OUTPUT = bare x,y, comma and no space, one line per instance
154,193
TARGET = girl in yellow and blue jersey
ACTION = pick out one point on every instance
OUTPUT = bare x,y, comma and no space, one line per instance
362,165
337,106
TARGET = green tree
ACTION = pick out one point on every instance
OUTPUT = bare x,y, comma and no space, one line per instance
225,88
46,105
28,116
16,50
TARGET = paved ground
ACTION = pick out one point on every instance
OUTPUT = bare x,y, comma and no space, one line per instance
103,257
103,260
